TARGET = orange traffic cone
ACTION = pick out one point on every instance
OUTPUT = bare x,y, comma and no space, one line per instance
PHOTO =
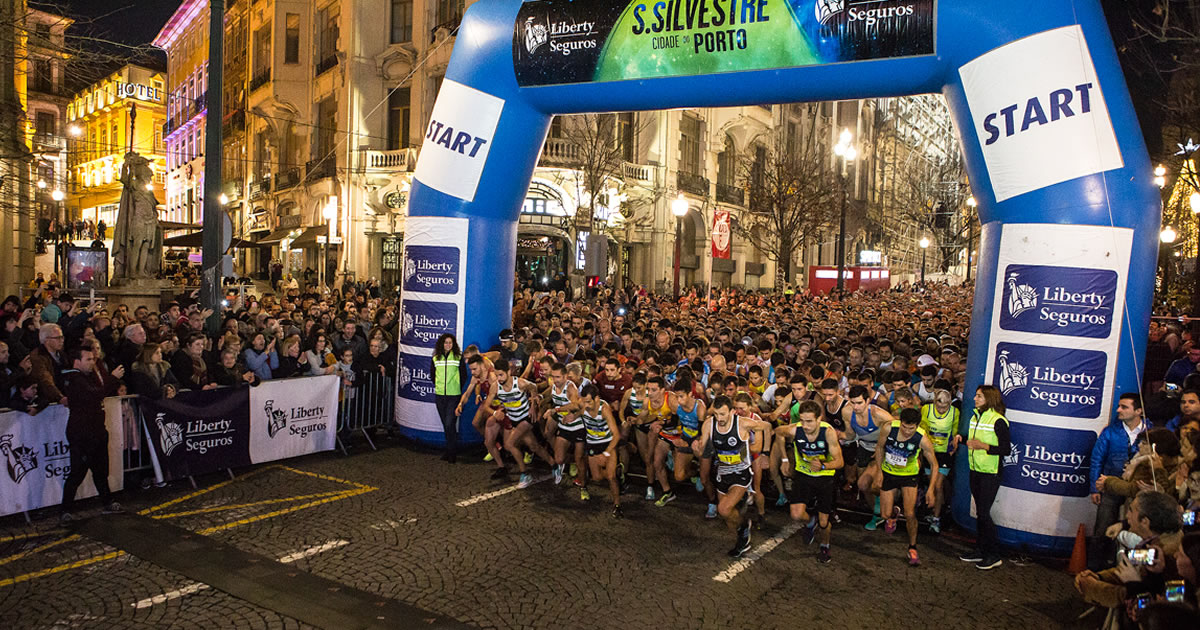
1079,553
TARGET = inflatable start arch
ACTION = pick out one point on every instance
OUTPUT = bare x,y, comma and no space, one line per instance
1052,146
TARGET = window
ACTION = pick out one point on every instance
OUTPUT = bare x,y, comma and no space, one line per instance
327,33
45,123
326,134
689,144
42,74
260,156
262,51
158,138
115,138
556,127
291,44
626,136
727,163
449,12
399,112
402,21
758,172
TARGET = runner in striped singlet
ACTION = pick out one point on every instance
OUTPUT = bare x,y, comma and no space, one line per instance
603,436
518,398
565,425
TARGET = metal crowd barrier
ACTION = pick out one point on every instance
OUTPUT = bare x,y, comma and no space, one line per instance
369,402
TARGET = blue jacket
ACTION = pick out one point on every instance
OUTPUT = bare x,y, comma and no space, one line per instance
1111,452
1178,371
261,363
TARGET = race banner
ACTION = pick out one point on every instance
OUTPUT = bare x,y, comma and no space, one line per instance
293,417
37,459
198,432
562,41
721,233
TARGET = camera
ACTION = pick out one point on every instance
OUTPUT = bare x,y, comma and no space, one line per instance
1189,518
1176,591
225,303
621,311
1142,557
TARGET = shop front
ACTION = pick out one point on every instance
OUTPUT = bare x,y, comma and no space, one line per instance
544,247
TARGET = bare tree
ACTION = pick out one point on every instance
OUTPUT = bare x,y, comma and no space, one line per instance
933,195
793,194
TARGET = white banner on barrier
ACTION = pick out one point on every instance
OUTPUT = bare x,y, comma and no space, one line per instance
293,417
37,459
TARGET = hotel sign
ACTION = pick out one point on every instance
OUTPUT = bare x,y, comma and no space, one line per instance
139,92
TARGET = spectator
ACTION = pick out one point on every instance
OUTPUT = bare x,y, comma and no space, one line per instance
46,364
349,339
292,362
151,376
320,359
86,431
1183,366
23,396
1153,464
230,373
261,357
188,364
129,348
1115,446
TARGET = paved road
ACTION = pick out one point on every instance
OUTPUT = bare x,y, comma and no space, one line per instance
388,523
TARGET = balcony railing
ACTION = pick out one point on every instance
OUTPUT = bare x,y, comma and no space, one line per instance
234,121
49,140
260,187
449,24
640,172
395,160
690,182
320,169
260,80
325,64
287,178
729,193
559,151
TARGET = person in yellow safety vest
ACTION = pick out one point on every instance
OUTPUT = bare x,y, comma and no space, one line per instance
449,373
988,441
939,420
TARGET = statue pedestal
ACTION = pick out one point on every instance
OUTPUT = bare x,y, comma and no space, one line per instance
134,293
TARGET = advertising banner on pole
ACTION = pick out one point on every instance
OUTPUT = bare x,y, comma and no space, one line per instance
721,234
37,459
198,432
293,417
561,41
435,255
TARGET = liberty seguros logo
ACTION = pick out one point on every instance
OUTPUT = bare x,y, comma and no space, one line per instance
827,9
1057,381
170,434
19,460
535,35
1013,375
300,421
1021,297
1068,301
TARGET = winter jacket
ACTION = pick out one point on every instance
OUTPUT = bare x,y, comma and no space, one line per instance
1111,452
85,398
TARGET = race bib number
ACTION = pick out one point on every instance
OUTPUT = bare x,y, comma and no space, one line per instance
899,460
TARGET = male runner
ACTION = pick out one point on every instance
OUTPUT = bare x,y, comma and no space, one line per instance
816,456
940,422
564,417
760,450
863,421
602,439
518,398
729,436
900,461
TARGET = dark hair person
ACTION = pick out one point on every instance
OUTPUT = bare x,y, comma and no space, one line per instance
449,374
988,441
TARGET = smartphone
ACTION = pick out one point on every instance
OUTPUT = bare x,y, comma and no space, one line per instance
1141,602
1176,591
1142,557
1189,518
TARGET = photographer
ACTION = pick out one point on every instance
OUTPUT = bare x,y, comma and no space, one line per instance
1153,519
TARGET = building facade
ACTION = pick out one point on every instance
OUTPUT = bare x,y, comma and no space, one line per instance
123,112
326,102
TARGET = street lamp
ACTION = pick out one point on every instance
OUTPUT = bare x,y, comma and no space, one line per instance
224,199
1167,235
924,248
330,214
57,195
41,184
845,150
1194,202
75,131
679,208
1160,176
971,203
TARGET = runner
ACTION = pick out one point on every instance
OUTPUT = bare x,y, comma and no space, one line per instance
518,398
863,421
816,456
482,377
940,422
602,439
565,423
760,451
680,442
900,461
729,436
635,424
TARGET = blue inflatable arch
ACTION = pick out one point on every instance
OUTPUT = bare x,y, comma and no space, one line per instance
1053,150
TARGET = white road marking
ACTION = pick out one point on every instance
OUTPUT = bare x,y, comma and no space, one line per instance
392,524
195,587
758,552
480,498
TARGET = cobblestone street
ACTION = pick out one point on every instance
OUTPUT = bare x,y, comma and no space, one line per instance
403,525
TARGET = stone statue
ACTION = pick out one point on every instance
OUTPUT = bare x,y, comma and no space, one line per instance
137,239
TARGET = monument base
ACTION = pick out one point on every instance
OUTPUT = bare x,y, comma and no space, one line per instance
151,293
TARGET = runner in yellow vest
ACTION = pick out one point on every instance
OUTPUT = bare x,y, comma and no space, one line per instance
816,456
899,457
939,420
988,441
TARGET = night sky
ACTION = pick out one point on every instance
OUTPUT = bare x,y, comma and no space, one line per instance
132,22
